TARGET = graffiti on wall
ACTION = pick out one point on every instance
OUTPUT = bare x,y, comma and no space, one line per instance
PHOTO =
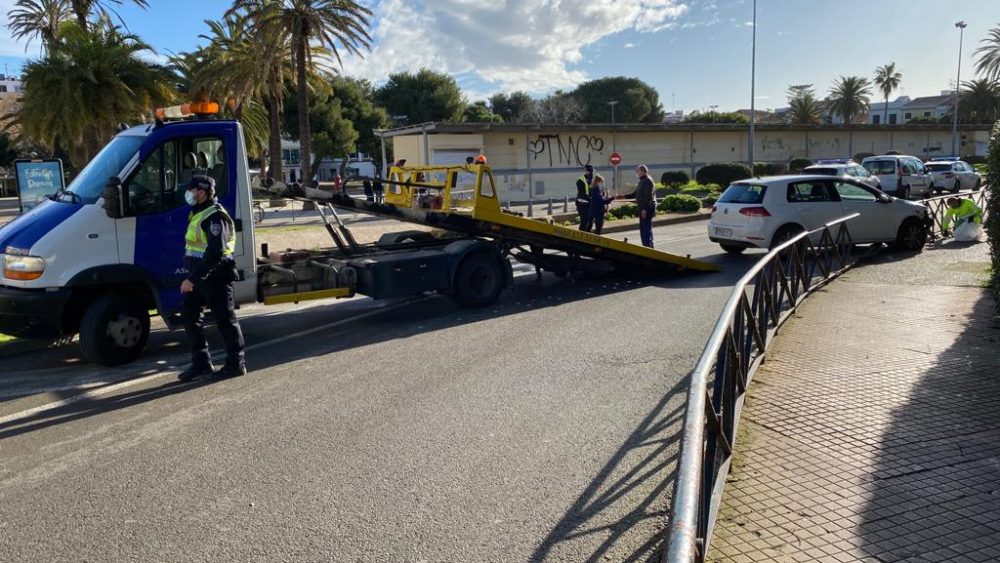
566,151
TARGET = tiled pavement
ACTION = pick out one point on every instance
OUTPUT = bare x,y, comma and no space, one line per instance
872,432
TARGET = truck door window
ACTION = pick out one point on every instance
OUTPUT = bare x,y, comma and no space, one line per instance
486,186
157,185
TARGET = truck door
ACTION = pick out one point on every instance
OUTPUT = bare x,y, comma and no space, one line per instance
152,234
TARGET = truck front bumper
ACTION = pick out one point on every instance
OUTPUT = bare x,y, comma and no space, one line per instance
32,313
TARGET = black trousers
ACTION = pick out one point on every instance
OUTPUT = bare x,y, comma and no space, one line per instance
583,210
218,296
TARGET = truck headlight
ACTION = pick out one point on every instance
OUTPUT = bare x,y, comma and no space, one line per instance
22,268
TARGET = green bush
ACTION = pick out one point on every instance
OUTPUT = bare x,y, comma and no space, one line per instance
993,211
768,169
665,191
723,173
797,164
679,204
974,159
709,201
672,178
623,212
861,156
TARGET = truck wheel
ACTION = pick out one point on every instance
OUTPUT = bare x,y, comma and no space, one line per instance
114,330
479,280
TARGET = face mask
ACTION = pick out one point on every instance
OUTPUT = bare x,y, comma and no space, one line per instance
190,198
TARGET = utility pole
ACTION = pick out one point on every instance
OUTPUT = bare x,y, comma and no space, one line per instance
958,85
614,145
753,84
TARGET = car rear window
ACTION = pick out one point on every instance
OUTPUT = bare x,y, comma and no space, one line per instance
881,166
743,193
822,171
939,167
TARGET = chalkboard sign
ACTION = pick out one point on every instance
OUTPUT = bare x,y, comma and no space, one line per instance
36,180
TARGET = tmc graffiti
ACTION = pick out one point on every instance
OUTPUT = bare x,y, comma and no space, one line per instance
572,151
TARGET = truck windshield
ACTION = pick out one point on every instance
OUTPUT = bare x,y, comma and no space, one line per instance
89,183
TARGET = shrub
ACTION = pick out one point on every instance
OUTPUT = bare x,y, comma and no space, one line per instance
768,169
797,164
993,211
665,191
892,152
679,204
862,155
709,201
675,178
623,211
723,173
974,159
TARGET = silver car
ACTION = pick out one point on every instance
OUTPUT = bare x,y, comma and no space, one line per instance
954,176
849,169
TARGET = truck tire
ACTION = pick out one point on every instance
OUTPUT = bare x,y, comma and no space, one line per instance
479,280
114,330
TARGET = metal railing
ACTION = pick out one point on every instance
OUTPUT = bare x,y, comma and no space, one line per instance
760,302
550,205
937,208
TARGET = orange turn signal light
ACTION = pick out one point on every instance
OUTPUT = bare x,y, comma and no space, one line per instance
21,276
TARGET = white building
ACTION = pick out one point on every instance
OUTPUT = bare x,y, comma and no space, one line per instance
879,114
10,86
929,106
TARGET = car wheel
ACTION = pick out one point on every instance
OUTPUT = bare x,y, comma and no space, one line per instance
114,330
783,235
979,184
957,188
479,280
733,248
912,236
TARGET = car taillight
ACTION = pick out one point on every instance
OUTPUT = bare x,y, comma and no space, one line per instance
755,212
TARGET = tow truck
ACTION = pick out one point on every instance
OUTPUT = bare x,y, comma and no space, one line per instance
99,257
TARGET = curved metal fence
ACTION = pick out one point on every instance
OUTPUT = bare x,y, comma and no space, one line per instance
759,304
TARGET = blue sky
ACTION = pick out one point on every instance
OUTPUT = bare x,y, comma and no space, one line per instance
696,52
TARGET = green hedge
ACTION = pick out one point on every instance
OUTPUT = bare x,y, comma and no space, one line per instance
768,169
679,204
797,164
723,173
993,210
674,178
622,212
861,156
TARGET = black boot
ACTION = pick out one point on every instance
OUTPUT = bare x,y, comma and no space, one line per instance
196,371
231,370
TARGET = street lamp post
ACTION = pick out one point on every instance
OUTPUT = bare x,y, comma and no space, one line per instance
958,84
614,145
753,83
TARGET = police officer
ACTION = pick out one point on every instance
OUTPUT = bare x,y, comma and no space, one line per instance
208,256
583,197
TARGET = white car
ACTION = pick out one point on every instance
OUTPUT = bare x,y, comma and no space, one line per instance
849,169
763,213
900,175
954,176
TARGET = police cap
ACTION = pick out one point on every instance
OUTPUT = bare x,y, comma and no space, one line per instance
201,182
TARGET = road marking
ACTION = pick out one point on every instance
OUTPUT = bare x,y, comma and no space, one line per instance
93,394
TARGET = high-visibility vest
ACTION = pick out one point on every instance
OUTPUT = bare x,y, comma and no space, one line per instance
195,241
586,197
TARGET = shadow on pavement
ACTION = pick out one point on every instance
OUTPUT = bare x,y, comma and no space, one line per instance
934,493
655,442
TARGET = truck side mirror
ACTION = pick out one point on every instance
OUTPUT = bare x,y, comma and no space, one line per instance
114,204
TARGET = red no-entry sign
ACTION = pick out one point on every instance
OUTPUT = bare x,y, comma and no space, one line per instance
616,159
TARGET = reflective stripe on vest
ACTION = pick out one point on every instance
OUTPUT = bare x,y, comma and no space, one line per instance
195,241
586,190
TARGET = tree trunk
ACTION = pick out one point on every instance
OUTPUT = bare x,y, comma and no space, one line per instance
274,138
303,87
80,8
885,118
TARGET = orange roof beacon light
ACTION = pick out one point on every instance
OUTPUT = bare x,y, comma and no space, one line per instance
201,109
481,159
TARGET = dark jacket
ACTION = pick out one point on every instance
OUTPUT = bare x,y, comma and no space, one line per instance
217,228
597,199
644,194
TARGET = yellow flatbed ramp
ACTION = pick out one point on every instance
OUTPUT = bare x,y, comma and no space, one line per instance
464,199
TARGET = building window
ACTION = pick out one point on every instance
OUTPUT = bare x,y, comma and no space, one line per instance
892,119
3,88
908,116
927,114
876,119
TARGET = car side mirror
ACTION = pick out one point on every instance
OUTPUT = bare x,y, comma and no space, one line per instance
114,203
884,199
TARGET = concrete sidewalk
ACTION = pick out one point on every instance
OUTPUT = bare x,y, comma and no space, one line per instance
872,432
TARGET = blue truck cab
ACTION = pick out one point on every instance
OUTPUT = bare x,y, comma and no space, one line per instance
87,263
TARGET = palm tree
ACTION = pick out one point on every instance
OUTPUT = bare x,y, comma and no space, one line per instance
849,97
38,19
988,64
803,107
331,24
980,101
887,79
84,8
89,82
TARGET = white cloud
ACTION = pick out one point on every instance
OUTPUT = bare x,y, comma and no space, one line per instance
629,45
531,45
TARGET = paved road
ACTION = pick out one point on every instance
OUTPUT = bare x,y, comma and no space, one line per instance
544,428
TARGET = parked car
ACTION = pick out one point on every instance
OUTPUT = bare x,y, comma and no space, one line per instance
954,176
851,169
763,213
900,175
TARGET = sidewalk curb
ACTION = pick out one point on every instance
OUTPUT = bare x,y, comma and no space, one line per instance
633,224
